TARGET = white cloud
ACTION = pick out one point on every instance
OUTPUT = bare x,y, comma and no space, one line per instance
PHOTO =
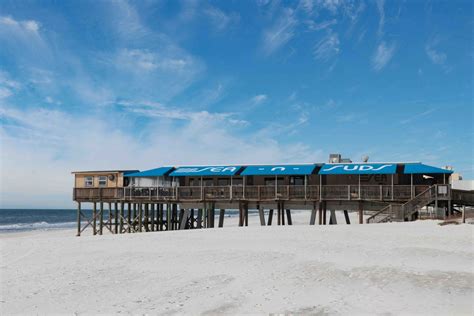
380,8
280,33
383,54
219,18
19,26
5,92
436,57
260,98
417,116
313,26
327,47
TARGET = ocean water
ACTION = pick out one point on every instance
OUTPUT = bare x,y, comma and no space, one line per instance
14,220
17,220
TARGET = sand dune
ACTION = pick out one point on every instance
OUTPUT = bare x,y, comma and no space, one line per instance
395,268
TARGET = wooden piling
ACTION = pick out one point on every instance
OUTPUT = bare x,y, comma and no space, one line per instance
278,214
270,217
241,217
333,219
199,219
184,219
324,214
146,218
129,218
94,218
312,220
152,216
193,220
320,217
221,218
110,216
282,213
246,214
140,217
361,212
346,216
261,213
101,218
116,217
288,215
78,219
121,218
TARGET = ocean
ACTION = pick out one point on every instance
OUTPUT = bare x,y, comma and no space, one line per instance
17,220
14,220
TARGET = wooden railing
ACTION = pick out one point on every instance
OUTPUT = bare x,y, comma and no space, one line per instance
255,193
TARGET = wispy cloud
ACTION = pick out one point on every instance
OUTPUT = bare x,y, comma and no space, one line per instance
258,99
313,26
327,47
417,116
220,19
382,56
381,10
434,54
280,33
31,26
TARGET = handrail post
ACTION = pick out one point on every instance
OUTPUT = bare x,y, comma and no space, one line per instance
381,193
231,187
349,192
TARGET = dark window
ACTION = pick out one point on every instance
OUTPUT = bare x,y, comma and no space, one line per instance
223,182
297,180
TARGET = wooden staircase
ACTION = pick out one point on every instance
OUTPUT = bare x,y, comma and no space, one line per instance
401,212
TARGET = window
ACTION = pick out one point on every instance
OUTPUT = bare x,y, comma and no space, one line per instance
223,182
102,181
297,180
89,181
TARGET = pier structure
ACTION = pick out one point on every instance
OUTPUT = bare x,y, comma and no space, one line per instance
193,197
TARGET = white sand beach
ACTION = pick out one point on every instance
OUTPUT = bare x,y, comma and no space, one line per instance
395,268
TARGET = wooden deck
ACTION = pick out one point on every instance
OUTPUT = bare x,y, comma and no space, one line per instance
252,193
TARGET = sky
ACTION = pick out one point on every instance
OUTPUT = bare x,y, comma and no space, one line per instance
90,85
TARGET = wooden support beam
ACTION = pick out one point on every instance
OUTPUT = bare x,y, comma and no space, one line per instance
146,218
278,214
270,217
94,218
152,216
199,219
282,208
129,218
181,216
241,217
361,212
324,214
168,216
134,216
320,217
193,220
246,214
221,218
78,219
312,220
333,219
121,218
288,216
140,217
110,216
175,216
261,213
160,216
101,218
184,219
116,217
346,215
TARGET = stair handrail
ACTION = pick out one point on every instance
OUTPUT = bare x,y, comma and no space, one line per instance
412,205
372,218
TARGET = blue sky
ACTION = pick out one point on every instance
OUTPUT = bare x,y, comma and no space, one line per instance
117,84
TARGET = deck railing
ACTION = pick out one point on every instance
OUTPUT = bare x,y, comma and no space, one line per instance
255,193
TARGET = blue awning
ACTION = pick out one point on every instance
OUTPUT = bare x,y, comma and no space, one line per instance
205,171
157,172
362,168
425,169
278,170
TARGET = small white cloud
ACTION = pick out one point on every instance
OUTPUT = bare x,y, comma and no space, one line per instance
145,60
380,8
259,98
436,57
313,26
327,47
219,18
5,93
279,34
383,54
27,25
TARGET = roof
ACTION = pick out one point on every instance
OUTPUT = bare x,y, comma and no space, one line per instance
157,172
205,171
106,171
414,168
358,168
268,170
